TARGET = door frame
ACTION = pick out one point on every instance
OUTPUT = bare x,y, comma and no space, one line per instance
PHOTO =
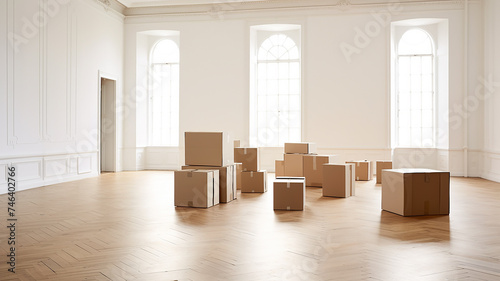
104,75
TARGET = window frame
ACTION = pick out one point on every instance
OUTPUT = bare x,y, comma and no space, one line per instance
261,35
151,81
433,73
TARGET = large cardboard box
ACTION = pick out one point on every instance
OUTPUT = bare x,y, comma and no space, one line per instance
289,194
364,170
239,169
248,156
416,192
300,147
294,165
338,180
196,188
279,168
253,181
208,149
313,168
227,181
381,165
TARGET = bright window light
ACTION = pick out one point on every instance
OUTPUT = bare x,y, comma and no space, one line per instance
164,94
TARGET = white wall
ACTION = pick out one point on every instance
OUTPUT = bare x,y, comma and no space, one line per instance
491,91
49,95
346,96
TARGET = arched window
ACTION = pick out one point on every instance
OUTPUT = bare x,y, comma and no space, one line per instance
278,91
164,94
415,123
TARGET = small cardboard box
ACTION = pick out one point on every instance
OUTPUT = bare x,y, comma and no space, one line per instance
237,143
313,168
289,194
300,147
364,170
227,181
196,188
208,149
248,156
381,165
338,180
279,168
294,165
253,181
416,192
239,169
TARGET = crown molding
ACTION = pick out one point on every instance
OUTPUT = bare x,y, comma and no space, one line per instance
269,5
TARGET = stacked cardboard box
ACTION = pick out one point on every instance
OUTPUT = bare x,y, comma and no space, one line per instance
205,152
252,179
415,192
239,167
382,165
289,194
364,170
338,180
313,168
196,188
294,158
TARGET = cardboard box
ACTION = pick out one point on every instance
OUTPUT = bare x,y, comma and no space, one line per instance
381,165
364,170
239,169
289,194
300,147
248,156
227,181
237,143
416,192
253,181
279,168
196,188
338,180
208,149
313,168
294,165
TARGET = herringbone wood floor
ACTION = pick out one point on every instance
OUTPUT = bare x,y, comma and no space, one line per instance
124,226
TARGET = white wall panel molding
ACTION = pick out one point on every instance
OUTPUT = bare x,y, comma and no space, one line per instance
10,74
162,158
491,166
25,97
42,4
50,169
140,156
84,164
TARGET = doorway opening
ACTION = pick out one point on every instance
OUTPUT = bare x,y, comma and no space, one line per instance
107,124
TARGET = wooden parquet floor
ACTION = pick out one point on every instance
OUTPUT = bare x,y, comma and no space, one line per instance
124,226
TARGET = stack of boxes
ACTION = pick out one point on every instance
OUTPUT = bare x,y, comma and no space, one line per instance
252,179
364,170
338,180
382,165
239,167
209,176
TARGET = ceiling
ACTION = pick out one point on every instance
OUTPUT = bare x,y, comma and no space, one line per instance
155,3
